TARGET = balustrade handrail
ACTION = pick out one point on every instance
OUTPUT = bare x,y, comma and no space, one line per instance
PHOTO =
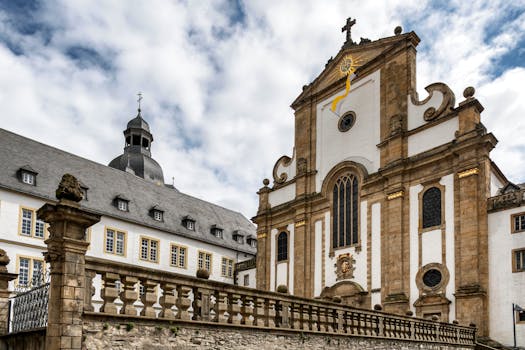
261,306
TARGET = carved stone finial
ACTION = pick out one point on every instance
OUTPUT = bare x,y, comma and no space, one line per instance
69,188
398,30
266,182
4,260
469,92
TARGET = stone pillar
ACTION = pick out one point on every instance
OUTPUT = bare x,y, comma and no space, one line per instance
66,250
263,239
5,277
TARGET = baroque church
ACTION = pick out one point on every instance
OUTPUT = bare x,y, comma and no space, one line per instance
390,200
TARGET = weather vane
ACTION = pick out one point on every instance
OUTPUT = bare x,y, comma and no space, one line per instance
139,99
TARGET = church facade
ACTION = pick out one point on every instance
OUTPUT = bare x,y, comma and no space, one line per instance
391,199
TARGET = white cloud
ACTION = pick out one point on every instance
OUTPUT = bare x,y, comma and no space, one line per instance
217,94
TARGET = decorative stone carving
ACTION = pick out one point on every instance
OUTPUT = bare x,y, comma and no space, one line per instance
4,261
469,92
301,166
398,30
344,267
69,188
396,125
281,178
446,105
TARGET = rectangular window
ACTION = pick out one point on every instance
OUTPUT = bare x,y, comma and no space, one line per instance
518,256
157,215
27,222
39,229
149,249
122,205
31,271
178,256
28,178
190,225
205,261
29,225
518,222
246,280
23,272
115,242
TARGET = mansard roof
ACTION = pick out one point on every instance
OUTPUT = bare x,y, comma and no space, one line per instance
105,183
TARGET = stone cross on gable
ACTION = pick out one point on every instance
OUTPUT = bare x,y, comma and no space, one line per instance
348,28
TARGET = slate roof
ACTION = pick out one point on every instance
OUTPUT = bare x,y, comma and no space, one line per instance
106,183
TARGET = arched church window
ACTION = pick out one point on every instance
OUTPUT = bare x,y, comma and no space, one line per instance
345,211
282,246
431,207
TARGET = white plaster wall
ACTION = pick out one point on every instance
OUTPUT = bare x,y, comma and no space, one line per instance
375,251
10,203
432,137
414,243
282,274
327,244
318,263
505,287
282,195
360,256
273,245
359,143
291,257
415,112
450,255
252,275
495,184
431,247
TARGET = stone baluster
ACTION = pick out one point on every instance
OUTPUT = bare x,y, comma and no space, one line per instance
314,318
183,302
109,293
247,310
234,309
5,278
90,291
284,313
381,327
271,312
202,304
148,298
323,327
221,307
330,320
259,312
167,300
296,315
340,321
129,296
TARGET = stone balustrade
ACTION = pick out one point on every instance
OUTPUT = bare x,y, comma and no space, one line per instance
169,296
506,200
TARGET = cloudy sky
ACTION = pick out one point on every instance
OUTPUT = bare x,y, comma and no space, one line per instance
218,76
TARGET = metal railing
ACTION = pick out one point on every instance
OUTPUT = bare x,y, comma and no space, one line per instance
28,310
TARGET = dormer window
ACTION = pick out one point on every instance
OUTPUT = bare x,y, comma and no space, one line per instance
27,175
188,222
252,242
122,203
216,231
238,237
156,213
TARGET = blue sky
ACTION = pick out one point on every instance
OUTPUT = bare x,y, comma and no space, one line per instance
218,76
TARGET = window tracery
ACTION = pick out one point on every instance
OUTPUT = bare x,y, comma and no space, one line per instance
345,211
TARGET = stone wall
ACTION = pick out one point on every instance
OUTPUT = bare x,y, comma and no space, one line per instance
132,333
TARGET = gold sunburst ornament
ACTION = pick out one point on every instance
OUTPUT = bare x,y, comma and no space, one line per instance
347,68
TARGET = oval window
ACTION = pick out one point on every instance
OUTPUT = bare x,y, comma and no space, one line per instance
346,121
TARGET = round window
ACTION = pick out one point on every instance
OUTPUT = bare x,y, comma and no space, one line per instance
432,278
346,121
